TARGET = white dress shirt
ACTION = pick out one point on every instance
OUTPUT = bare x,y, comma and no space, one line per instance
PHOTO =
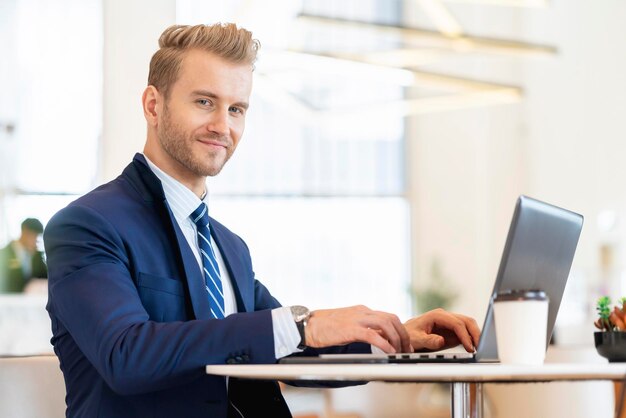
182,201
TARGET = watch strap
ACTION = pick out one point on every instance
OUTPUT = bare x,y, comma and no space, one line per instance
300,325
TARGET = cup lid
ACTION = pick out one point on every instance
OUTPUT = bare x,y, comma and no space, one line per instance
520,294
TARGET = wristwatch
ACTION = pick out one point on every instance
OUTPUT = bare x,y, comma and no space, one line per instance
301,315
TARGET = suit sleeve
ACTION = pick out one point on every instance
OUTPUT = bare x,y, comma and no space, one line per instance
95,307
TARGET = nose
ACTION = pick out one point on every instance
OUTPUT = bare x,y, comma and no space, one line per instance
219,123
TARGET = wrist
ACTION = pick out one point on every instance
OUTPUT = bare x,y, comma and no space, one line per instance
301,315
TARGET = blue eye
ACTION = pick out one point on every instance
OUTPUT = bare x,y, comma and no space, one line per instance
235,109
204,102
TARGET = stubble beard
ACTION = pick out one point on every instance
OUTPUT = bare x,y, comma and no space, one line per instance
178,145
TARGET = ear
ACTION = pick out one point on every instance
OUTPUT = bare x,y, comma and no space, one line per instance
152,102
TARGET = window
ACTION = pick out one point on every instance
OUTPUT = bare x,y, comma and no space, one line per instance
50,106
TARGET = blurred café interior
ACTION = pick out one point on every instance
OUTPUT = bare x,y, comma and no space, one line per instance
389,138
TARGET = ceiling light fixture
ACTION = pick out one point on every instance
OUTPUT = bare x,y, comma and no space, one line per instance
461,43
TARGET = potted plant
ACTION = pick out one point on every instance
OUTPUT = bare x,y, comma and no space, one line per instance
610,341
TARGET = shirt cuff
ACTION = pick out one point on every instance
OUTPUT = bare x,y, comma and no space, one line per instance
286,335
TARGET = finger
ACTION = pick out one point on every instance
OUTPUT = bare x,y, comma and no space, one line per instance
453,323
372,337
472,327
405,339
431,341
384,322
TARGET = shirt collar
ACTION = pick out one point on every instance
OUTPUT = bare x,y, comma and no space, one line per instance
182,200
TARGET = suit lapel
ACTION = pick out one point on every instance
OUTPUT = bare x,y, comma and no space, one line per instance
149,187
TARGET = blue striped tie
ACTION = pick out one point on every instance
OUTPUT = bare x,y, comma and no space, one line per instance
212,279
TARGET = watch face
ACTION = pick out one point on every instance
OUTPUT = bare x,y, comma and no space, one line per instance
299,312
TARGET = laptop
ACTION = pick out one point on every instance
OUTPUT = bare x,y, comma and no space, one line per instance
538,254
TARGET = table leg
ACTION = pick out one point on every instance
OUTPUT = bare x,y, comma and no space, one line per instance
460,400
467,400
476,400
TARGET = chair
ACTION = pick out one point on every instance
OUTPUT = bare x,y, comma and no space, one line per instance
31,387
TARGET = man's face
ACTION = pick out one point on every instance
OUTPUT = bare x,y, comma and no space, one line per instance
203,118
29,240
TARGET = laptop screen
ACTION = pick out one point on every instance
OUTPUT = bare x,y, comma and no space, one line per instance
538,254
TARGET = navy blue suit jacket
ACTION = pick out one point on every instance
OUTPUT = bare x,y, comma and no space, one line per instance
130,318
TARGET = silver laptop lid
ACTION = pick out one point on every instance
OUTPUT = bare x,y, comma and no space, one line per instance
538,254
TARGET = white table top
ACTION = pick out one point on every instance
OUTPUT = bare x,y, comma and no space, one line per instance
425,372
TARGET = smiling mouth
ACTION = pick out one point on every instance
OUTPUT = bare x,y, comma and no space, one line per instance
213,143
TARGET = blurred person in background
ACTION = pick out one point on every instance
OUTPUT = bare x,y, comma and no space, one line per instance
21,260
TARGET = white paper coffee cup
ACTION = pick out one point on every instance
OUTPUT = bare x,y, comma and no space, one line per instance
521,318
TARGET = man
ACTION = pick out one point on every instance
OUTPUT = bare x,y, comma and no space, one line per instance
143,292
20,260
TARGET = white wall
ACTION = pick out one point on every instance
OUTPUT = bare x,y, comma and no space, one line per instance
131,32
575,110
466,171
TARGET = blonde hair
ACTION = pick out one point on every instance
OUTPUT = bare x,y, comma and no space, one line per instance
225,40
